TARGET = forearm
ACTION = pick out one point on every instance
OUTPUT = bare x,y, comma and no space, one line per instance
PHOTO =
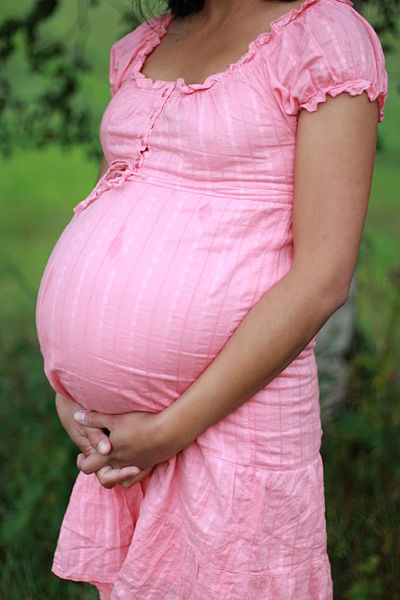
273,333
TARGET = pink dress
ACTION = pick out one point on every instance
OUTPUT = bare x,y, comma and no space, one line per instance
189,227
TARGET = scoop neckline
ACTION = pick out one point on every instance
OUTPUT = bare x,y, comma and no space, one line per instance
157,27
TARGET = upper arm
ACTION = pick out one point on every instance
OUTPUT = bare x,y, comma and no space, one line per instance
331,77
335,151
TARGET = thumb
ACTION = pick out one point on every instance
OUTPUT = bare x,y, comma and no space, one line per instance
91,418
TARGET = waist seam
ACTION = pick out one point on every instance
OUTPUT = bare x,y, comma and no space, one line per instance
288,205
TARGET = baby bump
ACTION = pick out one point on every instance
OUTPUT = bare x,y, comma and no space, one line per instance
145,286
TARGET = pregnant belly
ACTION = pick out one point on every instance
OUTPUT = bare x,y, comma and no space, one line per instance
146,285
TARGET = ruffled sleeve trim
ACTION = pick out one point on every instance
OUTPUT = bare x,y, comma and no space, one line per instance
330,50
353,88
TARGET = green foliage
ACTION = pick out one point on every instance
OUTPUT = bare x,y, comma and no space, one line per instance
361,457
52,68
37,471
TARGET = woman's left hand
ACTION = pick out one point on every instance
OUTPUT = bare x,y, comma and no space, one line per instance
137,438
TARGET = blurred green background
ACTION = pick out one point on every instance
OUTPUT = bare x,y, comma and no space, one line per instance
361,453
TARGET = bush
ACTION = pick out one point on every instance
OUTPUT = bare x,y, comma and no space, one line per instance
361,457
37,471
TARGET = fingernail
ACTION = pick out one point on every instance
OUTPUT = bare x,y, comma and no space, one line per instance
79,416
103,447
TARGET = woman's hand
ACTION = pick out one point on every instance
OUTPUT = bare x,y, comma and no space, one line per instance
89,439
137,438
109,476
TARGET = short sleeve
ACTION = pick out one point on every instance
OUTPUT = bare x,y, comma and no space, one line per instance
330,49
113,69
123,53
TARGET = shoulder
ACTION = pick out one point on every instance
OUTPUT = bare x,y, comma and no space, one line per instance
329,48
127,44
129,47
145,30
331,25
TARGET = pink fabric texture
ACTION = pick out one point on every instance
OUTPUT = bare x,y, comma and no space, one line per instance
189,227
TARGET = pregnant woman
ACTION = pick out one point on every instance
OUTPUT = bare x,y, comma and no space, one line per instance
178,311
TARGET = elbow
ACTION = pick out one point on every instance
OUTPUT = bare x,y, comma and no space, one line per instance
330,289
335,294
341,299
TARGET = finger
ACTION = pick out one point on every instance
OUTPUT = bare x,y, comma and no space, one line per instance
100,476
92,462
109,476
91,418
83,443
132,480
80,458
98,440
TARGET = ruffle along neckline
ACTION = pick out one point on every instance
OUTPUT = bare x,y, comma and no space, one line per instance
157,27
